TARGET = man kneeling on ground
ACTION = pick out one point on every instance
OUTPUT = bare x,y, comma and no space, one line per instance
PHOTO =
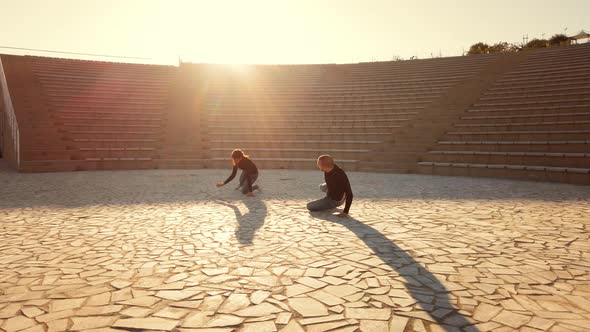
337,188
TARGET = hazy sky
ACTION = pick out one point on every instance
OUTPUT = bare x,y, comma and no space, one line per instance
275,31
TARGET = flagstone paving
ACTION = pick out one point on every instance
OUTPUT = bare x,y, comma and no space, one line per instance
167,251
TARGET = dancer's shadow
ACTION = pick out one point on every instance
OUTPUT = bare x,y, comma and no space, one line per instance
422,285
249,222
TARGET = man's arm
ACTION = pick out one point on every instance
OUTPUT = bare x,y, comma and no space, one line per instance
347,192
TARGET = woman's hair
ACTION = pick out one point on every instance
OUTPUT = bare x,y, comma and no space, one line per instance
237,154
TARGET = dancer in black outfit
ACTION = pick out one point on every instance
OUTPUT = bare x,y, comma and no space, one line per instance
337,188
249,172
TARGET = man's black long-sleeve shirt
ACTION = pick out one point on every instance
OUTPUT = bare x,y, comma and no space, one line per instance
338,186
248,167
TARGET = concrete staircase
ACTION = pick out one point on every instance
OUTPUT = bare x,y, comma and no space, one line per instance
285,116
524,115
85,115
532,123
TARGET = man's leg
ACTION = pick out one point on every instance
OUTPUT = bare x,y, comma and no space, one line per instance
324,188
322,204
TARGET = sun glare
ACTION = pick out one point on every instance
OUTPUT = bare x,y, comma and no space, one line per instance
240,69
243,35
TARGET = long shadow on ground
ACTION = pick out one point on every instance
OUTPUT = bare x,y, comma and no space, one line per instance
423,286
250,222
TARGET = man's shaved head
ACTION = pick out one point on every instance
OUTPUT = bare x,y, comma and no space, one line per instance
325,161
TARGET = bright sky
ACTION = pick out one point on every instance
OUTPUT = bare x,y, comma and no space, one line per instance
281,31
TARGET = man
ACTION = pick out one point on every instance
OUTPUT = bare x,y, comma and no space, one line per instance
337,188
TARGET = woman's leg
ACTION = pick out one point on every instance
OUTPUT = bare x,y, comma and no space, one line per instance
244,182
242,179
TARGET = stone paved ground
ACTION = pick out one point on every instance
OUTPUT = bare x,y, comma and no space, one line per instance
165,250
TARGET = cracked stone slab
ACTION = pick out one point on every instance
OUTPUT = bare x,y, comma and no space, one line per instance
418,253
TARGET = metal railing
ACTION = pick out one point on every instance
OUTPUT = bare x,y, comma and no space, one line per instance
10,116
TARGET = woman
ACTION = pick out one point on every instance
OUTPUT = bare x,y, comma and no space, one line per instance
249,172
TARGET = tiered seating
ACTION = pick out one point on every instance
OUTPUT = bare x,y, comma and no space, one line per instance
533,123
110,114
285,116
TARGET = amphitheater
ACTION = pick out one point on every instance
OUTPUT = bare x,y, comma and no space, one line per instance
470,177
519,116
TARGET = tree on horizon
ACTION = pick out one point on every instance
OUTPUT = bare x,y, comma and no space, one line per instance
479,48
558,39
537,43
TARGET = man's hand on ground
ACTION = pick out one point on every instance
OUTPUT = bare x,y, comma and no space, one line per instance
250,194
219,185
342,215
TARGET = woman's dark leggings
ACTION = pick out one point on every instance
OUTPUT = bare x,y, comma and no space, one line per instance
244,182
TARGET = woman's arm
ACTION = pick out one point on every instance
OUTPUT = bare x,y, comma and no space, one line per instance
232,176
